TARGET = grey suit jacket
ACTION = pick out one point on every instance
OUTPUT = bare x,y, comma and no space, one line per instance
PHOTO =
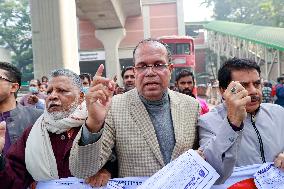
21,118
129,129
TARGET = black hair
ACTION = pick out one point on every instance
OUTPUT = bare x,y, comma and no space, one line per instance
280,78
12,72
234,64
153,40
184,73
86,75
44,77
126,69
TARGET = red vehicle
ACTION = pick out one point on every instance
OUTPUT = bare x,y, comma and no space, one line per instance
183,54
182,49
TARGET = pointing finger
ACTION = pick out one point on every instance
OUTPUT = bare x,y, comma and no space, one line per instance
100,70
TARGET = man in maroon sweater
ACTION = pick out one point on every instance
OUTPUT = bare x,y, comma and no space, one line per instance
42,152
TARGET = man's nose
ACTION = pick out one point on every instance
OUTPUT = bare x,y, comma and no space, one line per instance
187,85
53,95
150,71
251,89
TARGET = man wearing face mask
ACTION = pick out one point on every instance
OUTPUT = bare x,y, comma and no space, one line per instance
34,98
241,131
185,83
86,81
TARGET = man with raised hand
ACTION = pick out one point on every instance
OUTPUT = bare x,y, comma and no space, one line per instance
42,152
241,131
148,126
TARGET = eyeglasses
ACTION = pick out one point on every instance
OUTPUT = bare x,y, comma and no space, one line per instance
3,78
155,67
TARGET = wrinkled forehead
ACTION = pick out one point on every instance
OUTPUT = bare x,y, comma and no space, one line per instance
62,81
150,47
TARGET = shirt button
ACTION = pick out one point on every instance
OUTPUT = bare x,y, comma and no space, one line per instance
231,139
62,137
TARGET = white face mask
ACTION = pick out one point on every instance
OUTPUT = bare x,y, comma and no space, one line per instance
85,90
33,89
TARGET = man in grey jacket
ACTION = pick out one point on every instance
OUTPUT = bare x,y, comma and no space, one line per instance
16,116
242,130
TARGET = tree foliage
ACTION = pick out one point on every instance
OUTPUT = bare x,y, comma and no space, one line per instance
259,12
15,32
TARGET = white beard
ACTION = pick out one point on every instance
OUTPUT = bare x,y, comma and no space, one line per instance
63,114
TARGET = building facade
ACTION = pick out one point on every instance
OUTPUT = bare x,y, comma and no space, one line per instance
157,18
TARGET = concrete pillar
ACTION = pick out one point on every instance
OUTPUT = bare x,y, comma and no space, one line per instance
146,21
55,43
180,18
111,39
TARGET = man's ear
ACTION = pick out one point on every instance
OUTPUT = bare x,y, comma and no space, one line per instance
171,67
15,87
82,97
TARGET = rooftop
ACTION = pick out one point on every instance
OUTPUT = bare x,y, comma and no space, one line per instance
268,36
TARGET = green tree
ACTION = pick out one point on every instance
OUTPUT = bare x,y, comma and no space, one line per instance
15,32
259,12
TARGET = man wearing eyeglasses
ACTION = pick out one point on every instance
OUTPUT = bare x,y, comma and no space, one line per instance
148,126
16,116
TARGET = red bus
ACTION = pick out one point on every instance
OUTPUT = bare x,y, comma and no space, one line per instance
183,54
182,49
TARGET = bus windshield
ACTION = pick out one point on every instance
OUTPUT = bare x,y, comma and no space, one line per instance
179,48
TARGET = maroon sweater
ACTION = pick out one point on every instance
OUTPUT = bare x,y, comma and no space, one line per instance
15,174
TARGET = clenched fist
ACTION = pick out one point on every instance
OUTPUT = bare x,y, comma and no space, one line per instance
236,97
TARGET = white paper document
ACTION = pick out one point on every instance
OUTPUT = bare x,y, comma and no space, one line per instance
74,183
188,171
269,176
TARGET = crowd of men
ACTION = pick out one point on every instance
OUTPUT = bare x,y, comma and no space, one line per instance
88,132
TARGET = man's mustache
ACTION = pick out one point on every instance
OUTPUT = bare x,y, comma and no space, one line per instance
186,91
254,98
52,103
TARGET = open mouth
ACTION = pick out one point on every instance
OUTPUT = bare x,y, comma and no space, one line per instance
151,83
53,106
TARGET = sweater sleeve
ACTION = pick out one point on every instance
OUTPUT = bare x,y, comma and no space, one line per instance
15,175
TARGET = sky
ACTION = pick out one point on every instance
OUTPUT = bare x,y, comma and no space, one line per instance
194,12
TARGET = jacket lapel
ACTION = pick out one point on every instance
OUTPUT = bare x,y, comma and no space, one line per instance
178,123
143,122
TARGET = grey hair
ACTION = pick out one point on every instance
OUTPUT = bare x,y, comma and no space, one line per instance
70,74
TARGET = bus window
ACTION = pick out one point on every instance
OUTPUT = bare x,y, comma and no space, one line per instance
182,48
171,47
